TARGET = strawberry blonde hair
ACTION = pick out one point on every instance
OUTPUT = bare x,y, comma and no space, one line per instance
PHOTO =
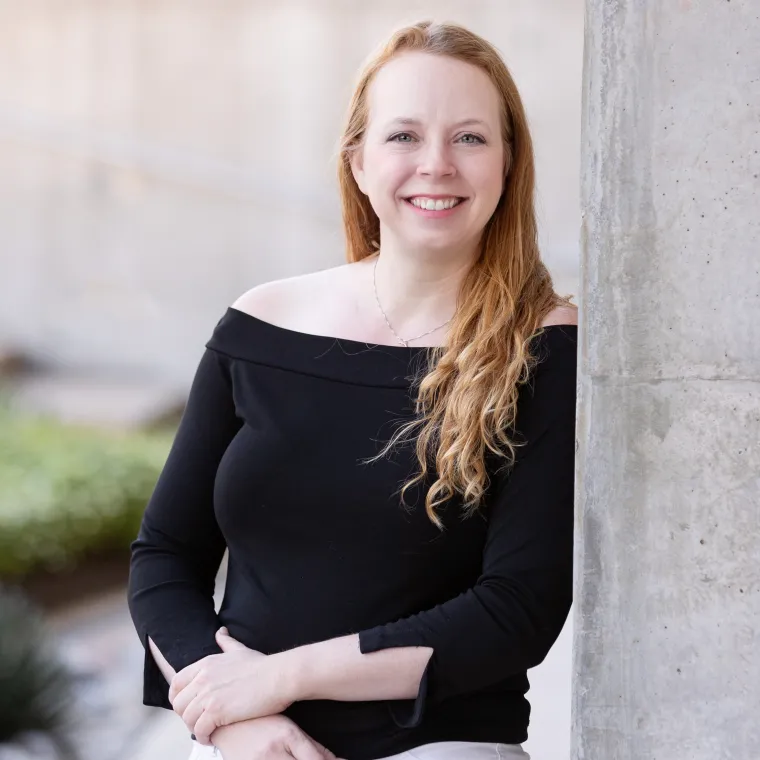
466,399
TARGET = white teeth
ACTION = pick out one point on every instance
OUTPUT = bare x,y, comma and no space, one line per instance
435,205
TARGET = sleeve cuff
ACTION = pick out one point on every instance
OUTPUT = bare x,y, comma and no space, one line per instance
155,686
408,713
405,713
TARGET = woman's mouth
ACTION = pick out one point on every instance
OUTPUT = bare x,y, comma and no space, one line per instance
435,206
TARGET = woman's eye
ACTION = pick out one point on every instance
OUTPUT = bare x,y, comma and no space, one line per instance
468,139
476,139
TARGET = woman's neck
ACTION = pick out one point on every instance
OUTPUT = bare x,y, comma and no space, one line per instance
417,292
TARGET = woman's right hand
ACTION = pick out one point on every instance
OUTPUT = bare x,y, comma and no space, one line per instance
272,738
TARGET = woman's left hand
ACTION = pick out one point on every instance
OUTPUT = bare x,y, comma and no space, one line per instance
226,688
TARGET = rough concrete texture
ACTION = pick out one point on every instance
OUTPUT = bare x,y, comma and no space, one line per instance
667,615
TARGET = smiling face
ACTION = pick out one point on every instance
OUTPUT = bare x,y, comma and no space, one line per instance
432,158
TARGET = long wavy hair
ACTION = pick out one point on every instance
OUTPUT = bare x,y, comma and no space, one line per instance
467,397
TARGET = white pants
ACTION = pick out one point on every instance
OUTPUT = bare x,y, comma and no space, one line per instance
463,751
436,751
201,752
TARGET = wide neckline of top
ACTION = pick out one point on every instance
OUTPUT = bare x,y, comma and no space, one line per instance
241,335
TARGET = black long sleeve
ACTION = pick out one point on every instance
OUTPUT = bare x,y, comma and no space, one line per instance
271,462
179,548
508,621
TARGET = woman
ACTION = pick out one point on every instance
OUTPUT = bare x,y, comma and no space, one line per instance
387,450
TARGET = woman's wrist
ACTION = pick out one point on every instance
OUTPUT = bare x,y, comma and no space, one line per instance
224,735
296,673
337,670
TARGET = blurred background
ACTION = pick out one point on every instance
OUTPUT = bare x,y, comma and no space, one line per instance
157,159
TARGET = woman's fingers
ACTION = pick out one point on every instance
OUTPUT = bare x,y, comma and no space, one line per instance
272,738
325,752
304,748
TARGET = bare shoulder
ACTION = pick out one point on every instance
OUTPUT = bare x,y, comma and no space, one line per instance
562,315
268,300
285,302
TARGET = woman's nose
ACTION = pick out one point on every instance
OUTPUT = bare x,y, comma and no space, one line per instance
435,161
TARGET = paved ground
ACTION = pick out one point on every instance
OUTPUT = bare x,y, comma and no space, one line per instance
99,644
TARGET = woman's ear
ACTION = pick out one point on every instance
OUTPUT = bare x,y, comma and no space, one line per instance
357,168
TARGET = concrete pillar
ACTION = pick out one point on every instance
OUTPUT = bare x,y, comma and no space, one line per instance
667,615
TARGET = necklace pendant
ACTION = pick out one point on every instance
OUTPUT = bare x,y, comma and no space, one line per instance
405,343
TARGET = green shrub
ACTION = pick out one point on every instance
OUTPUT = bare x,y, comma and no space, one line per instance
36,690
66,492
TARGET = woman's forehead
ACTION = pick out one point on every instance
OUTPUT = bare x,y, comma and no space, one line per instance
432,88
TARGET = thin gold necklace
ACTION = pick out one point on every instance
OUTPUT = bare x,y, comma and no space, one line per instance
385,316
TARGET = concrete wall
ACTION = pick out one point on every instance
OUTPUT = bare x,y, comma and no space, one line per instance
667,617
158,158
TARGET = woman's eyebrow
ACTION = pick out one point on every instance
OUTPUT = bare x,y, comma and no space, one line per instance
409,120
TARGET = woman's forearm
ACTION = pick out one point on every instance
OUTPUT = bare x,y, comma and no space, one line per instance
337,670
167,670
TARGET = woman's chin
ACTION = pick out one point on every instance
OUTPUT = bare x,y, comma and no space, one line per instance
433,242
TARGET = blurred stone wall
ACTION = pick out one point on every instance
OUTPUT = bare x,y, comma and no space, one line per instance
159,157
